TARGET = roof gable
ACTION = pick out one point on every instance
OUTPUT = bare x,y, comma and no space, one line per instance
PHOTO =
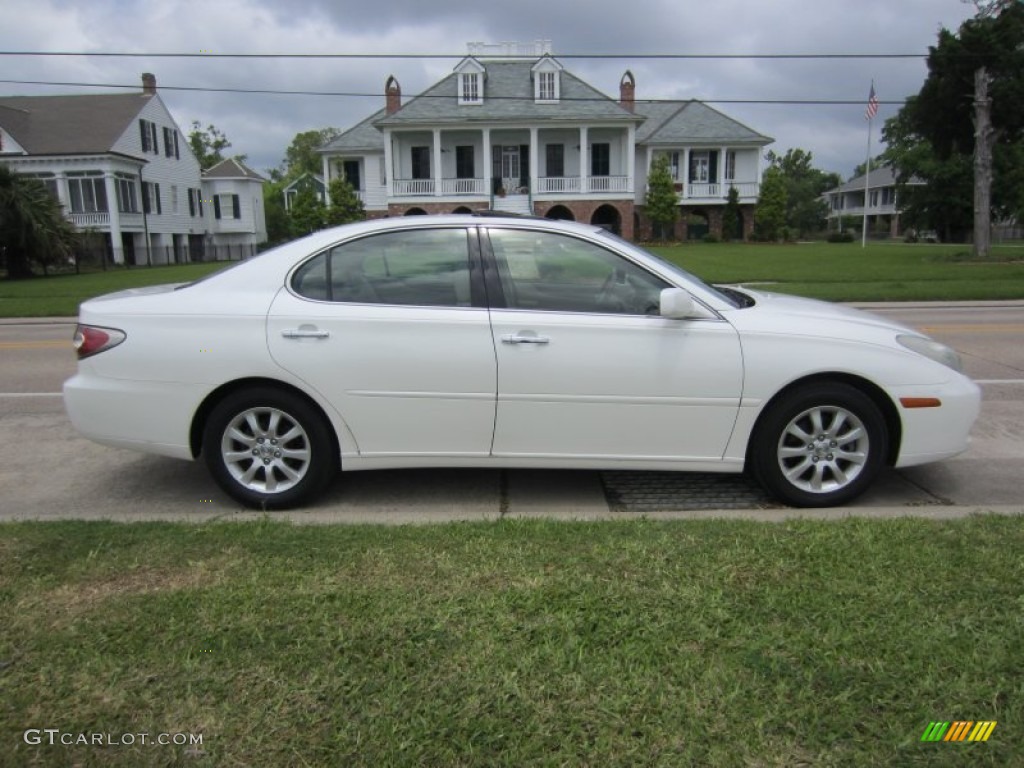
510,96
691,122
231,168
62,125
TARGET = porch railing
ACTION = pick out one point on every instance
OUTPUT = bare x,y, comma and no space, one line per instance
463,187
608,184
85,220
413,187
558,184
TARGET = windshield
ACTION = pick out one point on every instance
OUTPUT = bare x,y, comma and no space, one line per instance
727,295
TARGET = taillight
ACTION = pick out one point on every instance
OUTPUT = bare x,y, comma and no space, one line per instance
91,340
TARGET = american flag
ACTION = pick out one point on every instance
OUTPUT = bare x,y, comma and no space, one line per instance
872,109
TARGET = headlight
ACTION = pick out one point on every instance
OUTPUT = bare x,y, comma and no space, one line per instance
933,350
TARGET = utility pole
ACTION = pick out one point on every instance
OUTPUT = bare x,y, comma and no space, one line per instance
984,136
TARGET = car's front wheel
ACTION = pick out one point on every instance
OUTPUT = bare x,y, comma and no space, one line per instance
268,449
819,446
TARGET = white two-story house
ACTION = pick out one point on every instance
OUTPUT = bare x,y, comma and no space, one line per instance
123,170
512,129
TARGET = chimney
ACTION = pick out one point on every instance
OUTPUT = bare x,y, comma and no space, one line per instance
627,91
148,83
392,95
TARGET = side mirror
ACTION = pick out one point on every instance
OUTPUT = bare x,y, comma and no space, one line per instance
678,304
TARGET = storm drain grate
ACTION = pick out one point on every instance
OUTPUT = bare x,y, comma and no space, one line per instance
680,491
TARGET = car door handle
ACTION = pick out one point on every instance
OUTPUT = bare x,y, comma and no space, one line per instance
518,338
304,333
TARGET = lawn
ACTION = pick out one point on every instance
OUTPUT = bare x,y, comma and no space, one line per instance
836,272
848,272
518,643
59,296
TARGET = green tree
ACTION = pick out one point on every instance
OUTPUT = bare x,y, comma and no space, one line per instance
307,213
345,204
32,226
208,145
302,155
278,223
806,211
662,202
771,205
932,137
732,224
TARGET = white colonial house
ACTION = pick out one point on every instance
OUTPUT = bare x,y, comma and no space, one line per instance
512,129
234,209
122,168
882,203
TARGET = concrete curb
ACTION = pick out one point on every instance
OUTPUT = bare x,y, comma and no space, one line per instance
336,517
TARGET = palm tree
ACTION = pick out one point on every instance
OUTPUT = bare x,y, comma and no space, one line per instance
32,225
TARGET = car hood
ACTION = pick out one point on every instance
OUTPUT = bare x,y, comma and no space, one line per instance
776,312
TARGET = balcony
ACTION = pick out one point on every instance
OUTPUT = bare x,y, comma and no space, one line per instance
747,190
90,220
544,185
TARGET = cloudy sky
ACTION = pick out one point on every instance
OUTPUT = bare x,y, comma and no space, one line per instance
262,126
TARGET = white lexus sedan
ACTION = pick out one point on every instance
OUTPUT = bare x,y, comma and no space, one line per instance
491,341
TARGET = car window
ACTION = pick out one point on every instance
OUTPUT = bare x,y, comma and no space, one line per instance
553,272
421,267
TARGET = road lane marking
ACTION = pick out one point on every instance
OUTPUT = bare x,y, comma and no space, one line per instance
979,328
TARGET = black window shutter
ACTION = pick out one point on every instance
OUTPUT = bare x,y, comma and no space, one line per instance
713,168
177,155
145,198
156,147
191,202
156,193
199,197
524,165
144,134
495,167
216,206
236,206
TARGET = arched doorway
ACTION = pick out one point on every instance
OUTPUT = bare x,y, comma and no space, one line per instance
415,212
608,216
560,213
462,209
697,224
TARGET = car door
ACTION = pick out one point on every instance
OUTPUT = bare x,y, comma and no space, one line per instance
589,371
392,330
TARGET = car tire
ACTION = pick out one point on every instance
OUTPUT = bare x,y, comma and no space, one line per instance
820,445
269,449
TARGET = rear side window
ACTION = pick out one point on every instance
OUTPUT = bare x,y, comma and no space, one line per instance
423,267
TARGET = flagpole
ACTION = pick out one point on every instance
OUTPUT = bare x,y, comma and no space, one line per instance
869,115
867,184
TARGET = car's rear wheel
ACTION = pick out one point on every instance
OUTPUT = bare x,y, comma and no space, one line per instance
819,446
268,449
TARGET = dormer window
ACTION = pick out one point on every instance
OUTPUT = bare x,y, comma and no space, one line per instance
546,86
547,77
469,75
469,88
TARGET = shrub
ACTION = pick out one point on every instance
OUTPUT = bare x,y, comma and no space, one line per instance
840,237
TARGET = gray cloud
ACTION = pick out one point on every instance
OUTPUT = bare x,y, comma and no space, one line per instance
262,126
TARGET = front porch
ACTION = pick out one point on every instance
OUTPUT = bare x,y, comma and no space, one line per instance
480,165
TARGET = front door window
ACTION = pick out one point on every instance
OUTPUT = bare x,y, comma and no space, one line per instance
510,167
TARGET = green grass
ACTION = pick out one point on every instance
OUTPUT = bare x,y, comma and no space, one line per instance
59,296
847,272
514,644
836,272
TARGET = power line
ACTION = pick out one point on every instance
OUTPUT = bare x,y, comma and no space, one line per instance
207,55
352,94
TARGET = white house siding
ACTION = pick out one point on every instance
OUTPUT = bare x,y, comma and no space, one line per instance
250,228
182,172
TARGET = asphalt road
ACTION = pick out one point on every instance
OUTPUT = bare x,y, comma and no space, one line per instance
47,471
